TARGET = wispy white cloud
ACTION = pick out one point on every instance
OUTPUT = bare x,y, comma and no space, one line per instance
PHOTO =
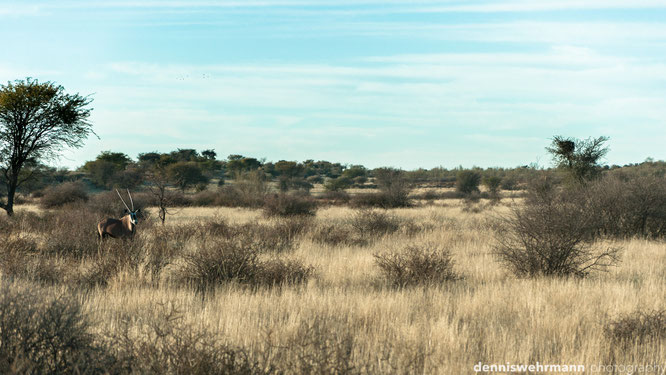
488,79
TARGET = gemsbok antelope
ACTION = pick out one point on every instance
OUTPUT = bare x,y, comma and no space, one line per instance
125,227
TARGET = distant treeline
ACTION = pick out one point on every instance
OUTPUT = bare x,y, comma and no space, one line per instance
190,169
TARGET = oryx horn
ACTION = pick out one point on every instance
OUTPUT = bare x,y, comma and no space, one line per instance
131,201
121,198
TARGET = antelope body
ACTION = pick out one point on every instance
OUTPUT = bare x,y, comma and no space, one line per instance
125,227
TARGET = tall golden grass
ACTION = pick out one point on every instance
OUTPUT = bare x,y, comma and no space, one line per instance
346,314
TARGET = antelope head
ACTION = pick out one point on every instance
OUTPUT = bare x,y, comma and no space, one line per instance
132,213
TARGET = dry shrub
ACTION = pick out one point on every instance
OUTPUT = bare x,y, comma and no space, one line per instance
332,344
166,344
15,253
638,327
431,195
336,235
71,232
322,345
551,235
166,245
206,198
410,228
277,272
627,207
237,195
248,190
374,223
6,224
334,197
42,334
217,262
382,199
20,258
65,193
364,227
414,265
25,221
277,236
289,205
230,260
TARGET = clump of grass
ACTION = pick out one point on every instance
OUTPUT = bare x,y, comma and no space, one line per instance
167,344
414,265
640,327
322,345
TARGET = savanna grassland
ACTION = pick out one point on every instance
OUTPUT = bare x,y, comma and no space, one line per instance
311,297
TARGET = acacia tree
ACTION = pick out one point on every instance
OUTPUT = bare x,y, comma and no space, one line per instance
579,157
37,120
158,184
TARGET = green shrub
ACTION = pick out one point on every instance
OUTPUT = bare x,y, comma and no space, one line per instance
492,183
338,184
467,182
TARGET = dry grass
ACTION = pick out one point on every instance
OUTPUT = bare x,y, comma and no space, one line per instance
343,321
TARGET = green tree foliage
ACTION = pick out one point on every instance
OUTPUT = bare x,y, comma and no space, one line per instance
492,183
109,169
185,154
393,185
580,158
36,121
148,159
467,181
322,168
185,174
209,154
355,171
338,184
237,164
289,168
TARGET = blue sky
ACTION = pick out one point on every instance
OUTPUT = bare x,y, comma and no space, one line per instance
381,83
